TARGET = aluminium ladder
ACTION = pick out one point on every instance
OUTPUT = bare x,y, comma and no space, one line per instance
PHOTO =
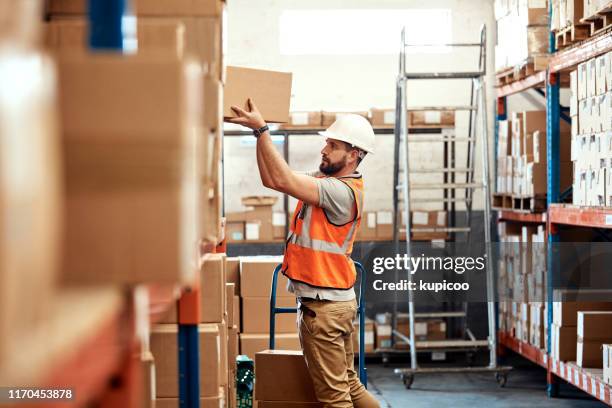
477,111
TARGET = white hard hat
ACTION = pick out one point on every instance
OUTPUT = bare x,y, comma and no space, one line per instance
352,129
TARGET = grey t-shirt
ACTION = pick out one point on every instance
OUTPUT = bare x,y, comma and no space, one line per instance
338,202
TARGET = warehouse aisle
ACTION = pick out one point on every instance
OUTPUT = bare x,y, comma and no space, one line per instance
524,389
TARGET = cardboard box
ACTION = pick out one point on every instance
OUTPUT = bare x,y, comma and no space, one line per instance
164,349
582,81
250,344
212,300
443,118
601,73
327,118
566,313
563,343
591,78
256,277
259,224
206,8
256,315
272,387
130,161
155,36
230,307
383,334
147,365
217,401
270,90
594,325
303,120
279,224
232,272
368,227
382,117
369,344
233,347
574,11
223,354
287,404
423,330
235,226
589,354
607,363
170,315
30,194
384,225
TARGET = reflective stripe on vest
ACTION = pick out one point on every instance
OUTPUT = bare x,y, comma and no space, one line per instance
317,251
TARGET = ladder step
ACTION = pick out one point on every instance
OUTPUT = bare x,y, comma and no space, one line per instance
444,186
438,170
444,75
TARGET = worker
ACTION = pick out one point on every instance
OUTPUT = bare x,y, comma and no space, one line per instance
318,249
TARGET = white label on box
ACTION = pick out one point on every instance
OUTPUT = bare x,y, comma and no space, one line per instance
576,377
252,231
237,236
383,330
389,117
420,218
608,219
299,118
384,217
371,220
594,388
420,329
433,117
369,337
438,356
537,4
279,219
441,218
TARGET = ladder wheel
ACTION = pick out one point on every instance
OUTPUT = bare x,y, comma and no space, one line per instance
407,379
501,379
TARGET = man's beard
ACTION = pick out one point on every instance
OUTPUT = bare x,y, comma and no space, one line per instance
328,168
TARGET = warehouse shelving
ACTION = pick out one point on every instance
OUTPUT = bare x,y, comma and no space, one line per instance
559,64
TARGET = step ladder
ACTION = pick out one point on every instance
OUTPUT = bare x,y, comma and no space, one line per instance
403,185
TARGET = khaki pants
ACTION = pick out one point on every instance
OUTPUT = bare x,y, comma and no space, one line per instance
326,330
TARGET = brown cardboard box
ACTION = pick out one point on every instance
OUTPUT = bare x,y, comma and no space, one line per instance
589,353
253,343
212,301
224,353
367,228
288,404
327,118
232,272
368,336
206,8
434,329
256,315
229,305
383,335
217,401
129,161
384,224
30,194
155,36
147,364
235,226
382,117
565,313
299,120
256,277
563,343
594,325
233,347
270,90
165,351
428,219
279,223
259,224
273,387
170,315
237,314
444,118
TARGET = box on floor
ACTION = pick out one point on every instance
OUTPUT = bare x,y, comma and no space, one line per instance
272,387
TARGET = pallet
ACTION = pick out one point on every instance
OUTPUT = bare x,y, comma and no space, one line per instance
520,71
525,204
600,21
572,34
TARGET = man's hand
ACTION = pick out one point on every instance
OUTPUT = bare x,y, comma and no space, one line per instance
251,119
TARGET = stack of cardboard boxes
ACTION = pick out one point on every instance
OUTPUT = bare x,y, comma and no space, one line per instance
522,282
570,332
378,226
522,31
521,155
255,287
259,223
591,141
424,330
566,13
181,36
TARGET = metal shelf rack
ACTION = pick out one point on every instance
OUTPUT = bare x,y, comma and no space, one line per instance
553,79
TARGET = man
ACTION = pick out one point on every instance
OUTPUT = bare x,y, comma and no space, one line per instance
317,253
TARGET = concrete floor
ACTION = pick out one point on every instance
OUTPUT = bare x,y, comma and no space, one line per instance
525,388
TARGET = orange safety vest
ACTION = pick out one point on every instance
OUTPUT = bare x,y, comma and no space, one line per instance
318,252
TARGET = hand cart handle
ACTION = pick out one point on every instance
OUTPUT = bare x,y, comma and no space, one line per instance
360,310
